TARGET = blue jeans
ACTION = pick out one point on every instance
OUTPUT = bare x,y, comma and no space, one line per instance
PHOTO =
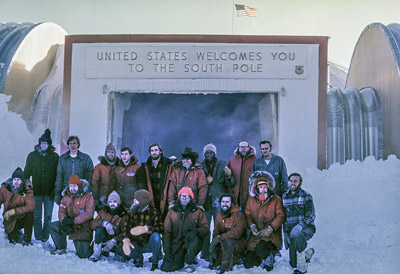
153,246
42,233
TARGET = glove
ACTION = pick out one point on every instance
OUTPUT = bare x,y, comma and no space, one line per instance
296,230
266,232
228,172
57,198
109,227
209,179
213,249
254,230
8,214
109,245
126,246
191,235
287,240
139,230
67,221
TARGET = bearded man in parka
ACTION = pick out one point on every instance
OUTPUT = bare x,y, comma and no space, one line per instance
229,236
185,227
19,205
75,215
265,216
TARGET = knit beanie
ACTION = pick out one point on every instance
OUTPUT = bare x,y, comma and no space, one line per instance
18,173
46,137
262,181
210,147
186,190
74,180
114,196
143,196
109,147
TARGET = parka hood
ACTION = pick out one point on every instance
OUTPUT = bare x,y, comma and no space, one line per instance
253,151
82,189
258,174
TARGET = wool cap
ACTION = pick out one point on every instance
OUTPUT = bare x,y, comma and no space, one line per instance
114,196
109,147
143,196
74,180
18,173
46,137
186,190
210,147
262,181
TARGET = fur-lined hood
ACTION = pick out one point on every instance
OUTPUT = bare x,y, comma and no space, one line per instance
21,190
82,189
253,151
253,178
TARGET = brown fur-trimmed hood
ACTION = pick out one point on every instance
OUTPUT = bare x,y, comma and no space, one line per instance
258,174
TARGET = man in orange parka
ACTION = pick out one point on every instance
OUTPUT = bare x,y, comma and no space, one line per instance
19,205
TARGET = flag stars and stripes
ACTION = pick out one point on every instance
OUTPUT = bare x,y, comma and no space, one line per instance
243,10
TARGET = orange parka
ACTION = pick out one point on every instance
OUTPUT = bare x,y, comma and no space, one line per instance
103,181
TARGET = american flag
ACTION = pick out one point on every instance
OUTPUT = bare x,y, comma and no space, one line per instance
243,10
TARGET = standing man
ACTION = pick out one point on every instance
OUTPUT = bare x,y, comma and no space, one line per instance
154,173
142,232
103,179
265,216
19,204
189,173
216,176
229,236
72,162
299,226
273,164
184,230
75,215
241,165
125,177
41,164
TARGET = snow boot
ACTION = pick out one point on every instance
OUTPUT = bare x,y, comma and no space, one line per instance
301,263
268,263
154,267
58,252
309,253
96,253
189,268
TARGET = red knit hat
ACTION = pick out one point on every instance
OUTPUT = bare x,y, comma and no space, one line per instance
74,180
262,181
186,190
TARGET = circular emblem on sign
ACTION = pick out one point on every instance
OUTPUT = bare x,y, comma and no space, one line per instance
299,70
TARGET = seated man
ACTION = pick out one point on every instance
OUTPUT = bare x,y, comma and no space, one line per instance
142,232
265,216
107,226
229,236
185,228
75,215
19,205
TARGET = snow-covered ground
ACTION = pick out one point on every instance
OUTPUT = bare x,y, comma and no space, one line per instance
357,207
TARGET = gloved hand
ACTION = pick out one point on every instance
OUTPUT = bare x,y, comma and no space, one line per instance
139,230
67,221
254,230
213,248
110,244
209,179
296,230
287,240
228,172
191,235
57,198
108,226
266,232
126,246
9,213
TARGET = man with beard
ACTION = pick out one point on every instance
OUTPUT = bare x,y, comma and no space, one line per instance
154,173
75,215
19,205
189,173
41,164
103,179
299,226
184,230
142,231
241,165
72,162
273,164
217,179
265,216
229,236
107,226
126,181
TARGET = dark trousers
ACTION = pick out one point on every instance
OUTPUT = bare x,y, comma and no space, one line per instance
299,244
152,246
230,251
212,212
25,223
83,248
186,254
42,232
101,235
261,252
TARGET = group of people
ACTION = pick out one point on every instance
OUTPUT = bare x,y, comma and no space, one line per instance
162,205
